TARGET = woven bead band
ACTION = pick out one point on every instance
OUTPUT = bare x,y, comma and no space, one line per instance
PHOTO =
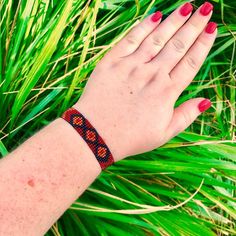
90,136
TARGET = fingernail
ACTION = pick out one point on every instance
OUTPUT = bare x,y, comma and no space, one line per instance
156,16
204,105
211,27
186,9
206,8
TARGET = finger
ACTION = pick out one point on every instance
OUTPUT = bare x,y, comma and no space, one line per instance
134,38
194,58
179,44
185,114
151,46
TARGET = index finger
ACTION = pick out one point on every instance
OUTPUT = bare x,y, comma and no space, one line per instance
134,38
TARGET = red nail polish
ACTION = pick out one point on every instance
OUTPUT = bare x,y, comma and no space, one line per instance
206,8
156,16
204,105
186,9
211,27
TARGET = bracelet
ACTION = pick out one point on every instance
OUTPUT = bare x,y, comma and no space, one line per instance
90,136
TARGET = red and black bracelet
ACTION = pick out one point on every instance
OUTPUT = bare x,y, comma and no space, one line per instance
90,136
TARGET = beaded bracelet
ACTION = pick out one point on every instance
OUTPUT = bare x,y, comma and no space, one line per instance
90,136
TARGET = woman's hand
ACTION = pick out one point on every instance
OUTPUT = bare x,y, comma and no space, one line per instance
131,93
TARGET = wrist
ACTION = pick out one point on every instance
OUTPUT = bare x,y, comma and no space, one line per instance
102,124
75,145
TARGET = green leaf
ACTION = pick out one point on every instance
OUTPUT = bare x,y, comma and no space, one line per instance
41,61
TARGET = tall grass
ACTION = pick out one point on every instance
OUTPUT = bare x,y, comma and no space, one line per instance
187,187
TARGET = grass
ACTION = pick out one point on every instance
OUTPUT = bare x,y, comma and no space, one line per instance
187,187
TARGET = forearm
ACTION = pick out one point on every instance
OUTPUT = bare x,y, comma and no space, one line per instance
42,178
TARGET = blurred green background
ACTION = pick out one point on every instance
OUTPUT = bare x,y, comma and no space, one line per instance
48,50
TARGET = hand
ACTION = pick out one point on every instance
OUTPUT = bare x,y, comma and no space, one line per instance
131,93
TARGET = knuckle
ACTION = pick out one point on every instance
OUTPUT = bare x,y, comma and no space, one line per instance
178,45
203,43
173,22
142,27
156,40
139,29
186,118
191,62
194,25
131,39
146,53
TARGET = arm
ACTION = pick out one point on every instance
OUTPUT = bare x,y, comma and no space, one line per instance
129,99
41,179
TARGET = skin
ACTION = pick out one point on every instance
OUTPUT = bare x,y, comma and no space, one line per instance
129,99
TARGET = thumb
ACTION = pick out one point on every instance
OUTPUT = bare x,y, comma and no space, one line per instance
185,114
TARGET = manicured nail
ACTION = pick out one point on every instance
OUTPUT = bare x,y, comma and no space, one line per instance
211,27
204,105
156,16
186,9
206,8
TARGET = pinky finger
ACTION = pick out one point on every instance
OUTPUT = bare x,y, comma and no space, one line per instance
194,58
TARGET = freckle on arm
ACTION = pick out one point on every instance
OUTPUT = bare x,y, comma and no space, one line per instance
31,183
